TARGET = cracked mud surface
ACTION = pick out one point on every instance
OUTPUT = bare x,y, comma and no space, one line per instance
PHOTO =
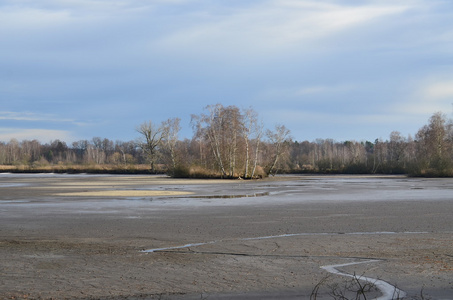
57,245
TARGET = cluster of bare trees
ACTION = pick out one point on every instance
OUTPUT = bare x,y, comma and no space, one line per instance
159,143
96,151
434,150
430,153
229,142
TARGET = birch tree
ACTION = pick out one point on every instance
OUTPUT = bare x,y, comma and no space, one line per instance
278,139
252,132
171,128
435,144
221,128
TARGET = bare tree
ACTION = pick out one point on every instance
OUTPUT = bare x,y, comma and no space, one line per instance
58,151
220,128
397,150
209,127
150,141
96,150
31,151
13,151
231,134
171,129
125,149
80,149
435,145
252,132
278,139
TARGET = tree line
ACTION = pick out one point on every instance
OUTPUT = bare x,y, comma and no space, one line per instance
229,142
429,153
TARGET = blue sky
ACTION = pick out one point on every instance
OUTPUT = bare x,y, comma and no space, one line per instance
340,69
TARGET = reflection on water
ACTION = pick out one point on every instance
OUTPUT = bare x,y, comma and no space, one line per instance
4,185
229,196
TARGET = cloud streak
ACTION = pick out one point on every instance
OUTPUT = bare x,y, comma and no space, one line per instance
99,68
43,135
274,25
30,116
439,90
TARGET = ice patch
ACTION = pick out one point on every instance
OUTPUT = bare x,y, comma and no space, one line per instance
176,247
389,292
279,236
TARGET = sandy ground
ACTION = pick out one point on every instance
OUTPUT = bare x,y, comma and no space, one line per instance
85,237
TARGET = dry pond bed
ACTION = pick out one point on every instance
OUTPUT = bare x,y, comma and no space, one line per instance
152,237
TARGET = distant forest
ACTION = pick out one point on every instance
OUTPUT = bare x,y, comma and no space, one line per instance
232,143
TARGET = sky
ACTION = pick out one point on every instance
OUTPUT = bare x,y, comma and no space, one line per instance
338,69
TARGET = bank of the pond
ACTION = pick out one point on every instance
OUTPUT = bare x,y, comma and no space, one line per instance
140,169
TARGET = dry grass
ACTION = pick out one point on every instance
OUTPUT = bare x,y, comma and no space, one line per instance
72,168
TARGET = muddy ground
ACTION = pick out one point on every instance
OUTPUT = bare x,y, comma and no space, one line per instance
86,236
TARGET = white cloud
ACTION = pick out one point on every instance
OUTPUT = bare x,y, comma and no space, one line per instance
439,90
29,18
80,7
318,95
311,125
199,27
43,135
23,19
429,96
324,89
312,90
331,57
317,118
29,116
274,24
